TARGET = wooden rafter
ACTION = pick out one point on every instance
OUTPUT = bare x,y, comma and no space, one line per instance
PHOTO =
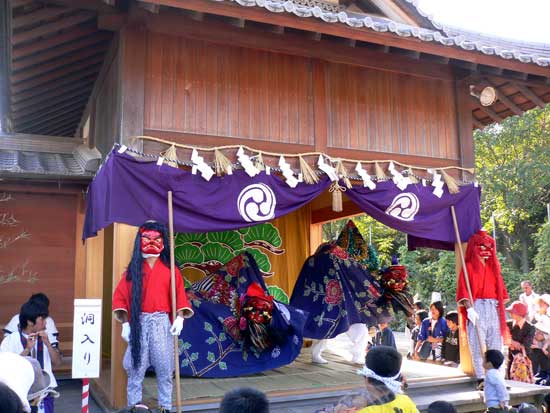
93,5
35,109
477,123
32,126
37,16
53,27
504,99
529,94
62,122
62,61
52,110
52,94
55,74
53,41
488,111
90,72
49,54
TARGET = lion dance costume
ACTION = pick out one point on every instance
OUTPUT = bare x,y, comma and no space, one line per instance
142,302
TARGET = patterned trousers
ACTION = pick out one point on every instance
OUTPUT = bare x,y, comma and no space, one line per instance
157,350
489,328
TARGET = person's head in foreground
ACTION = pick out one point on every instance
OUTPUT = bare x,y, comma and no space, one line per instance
244,400
383,368
493,359
9,400
441,406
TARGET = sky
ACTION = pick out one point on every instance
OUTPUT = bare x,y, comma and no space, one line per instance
527,20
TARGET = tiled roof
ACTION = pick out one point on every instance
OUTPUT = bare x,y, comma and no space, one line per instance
45,157
40,163
539,55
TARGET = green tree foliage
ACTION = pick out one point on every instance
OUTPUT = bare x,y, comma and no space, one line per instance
513,166
541,272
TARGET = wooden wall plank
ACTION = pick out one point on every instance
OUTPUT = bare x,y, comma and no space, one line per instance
44,261
227,91
399,113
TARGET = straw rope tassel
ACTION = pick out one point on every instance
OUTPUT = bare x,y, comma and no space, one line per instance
411,176
379,171
221,162
259,162
171,156
452,185
309,175
343,173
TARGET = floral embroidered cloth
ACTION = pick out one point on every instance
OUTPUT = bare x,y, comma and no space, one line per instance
233,331
337,289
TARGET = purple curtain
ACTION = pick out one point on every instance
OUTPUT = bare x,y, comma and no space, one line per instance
419,213
131,191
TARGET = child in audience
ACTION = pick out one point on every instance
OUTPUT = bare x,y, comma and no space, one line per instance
441,407
450,352
384,336
418,317
496,395
32,341
244,400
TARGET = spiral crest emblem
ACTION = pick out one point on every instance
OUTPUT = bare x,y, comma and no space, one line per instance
404,206
257,203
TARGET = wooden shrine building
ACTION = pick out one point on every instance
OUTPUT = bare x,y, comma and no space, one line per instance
358,79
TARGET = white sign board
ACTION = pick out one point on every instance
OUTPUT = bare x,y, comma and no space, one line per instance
86,338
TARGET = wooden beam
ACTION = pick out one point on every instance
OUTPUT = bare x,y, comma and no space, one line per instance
80,44
46,29
56,74
294,44
478,124
316,36
112,22
132,60
341,30
39,15
464,119
53,41
487,110
27,111
504,99
81,84
529,94
67,80
63,61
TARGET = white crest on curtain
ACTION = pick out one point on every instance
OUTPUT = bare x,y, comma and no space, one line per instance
404,206
257,203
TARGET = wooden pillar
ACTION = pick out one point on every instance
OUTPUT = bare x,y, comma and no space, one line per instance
123,244
465,355
132,53
80,250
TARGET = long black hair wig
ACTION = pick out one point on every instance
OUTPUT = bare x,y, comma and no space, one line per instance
135,275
